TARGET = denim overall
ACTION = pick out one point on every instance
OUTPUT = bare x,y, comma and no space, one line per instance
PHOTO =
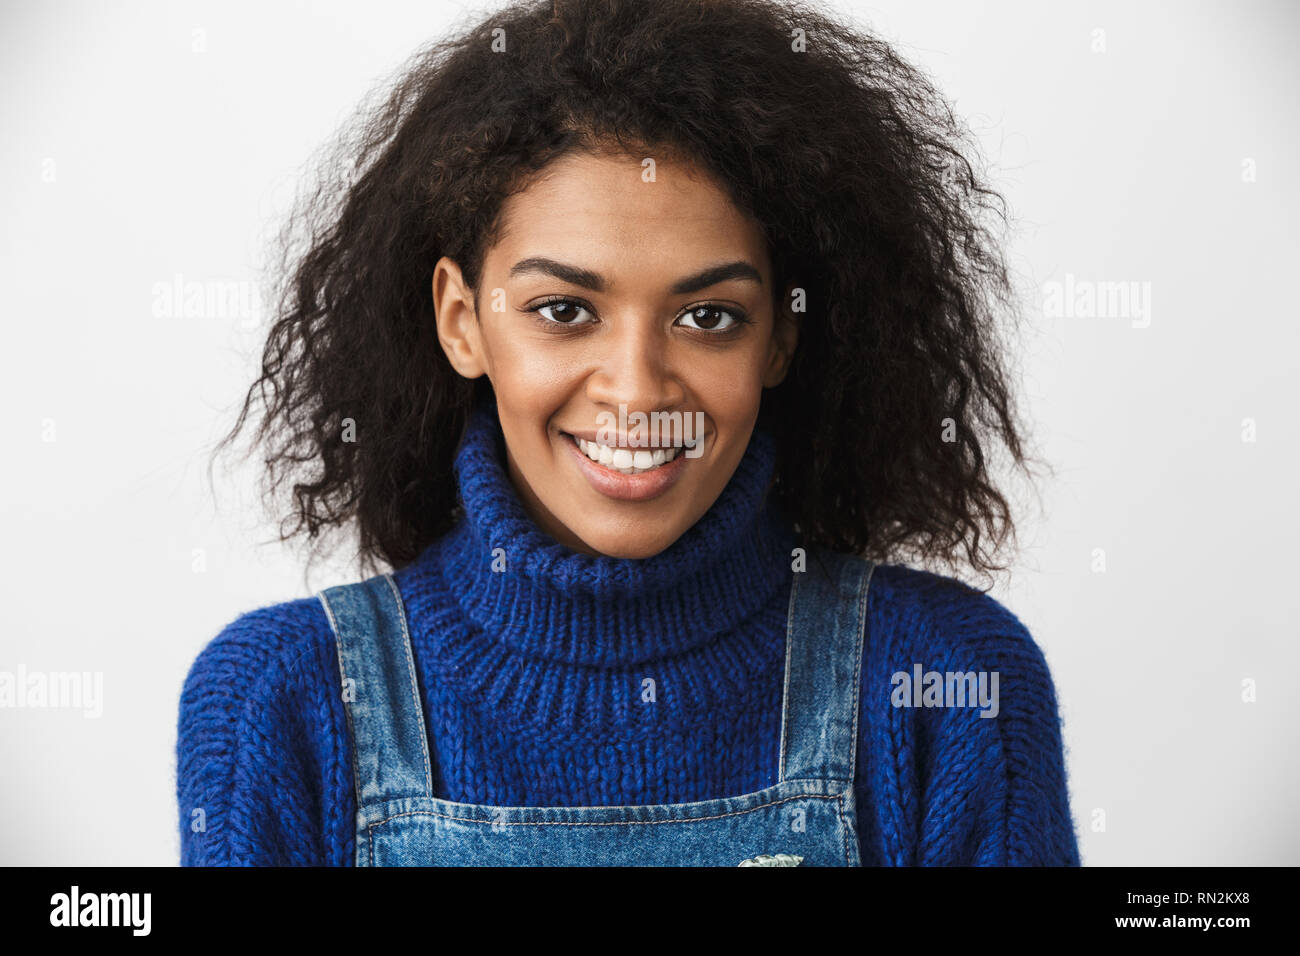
807,815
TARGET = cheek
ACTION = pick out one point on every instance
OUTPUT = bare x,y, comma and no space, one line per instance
729,388
527,380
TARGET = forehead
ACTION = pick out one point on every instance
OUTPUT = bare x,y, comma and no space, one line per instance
599,211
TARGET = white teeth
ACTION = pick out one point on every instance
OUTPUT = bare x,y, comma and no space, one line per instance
626,460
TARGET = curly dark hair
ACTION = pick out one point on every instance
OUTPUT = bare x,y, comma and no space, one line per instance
856,169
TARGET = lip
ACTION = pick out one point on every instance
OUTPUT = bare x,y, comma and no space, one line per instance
621,487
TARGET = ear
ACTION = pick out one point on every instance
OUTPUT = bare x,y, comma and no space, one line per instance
457,319
785,336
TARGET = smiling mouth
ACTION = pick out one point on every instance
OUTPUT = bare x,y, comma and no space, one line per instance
626,461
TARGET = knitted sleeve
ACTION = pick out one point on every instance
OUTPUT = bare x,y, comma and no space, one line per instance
1025,813
262,762
968,763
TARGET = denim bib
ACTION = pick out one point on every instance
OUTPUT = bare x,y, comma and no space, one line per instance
807,817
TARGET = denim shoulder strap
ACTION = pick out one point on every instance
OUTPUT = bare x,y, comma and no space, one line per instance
390,752
823,667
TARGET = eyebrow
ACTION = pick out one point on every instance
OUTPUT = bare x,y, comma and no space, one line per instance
739,269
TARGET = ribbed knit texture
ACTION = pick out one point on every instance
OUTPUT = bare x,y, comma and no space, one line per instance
531,682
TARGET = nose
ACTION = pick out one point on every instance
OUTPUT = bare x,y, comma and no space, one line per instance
635,367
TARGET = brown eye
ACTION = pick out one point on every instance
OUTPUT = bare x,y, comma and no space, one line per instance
562,312
712,318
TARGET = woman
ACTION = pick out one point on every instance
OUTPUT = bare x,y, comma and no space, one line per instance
647,336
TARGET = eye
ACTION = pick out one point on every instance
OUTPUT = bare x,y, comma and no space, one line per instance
562,311
707,318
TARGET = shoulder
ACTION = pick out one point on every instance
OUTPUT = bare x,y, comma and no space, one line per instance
942,625
923,610
263,676
936,600
257,649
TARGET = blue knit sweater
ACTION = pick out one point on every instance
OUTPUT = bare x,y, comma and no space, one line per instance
524,687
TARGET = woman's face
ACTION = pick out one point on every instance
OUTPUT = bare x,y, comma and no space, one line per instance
608,294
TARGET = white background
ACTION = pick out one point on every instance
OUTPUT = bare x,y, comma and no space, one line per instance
129,159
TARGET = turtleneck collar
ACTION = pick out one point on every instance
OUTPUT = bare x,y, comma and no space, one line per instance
554,603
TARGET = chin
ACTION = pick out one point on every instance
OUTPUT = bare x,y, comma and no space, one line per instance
619,546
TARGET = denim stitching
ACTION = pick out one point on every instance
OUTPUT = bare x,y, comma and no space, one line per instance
347,709
847,830
593,823
415,686
857,684
785,690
